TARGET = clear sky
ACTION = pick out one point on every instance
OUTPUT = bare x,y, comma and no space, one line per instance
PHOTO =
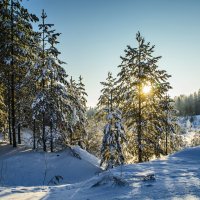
96,32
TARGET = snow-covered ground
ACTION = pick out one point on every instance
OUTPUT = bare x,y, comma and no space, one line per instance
74,174
24,167
175,177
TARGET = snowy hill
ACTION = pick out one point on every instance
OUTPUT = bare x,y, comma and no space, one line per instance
24,167
175,177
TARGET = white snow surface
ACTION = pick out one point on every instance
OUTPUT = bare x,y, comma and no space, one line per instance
175,177
24,167
86,156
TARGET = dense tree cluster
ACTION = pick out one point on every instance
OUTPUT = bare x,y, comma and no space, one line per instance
188,105
35,91
134,109
140,91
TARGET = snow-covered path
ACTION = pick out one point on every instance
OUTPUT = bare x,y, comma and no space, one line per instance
23,193
176,177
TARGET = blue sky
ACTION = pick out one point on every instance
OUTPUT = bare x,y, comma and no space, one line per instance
96,32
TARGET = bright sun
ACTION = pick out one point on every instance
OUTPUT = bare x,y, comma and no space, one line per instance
146,89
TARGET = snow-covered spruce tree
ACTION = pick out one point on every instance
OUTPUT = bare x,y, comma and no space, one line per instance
15,45
52,103
161,130
171,140
77,120
81,111
114,136
4,70
108,92
141,108
31,84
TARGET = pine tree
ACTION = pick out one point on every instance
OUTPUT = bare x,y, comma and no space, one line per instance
51,100
15,45
34,80
114,135
141,109
82,109
4,69
108,91
77,121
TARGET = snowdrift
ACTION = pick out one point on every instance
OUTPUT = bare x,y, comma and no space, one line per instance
174,177
23,167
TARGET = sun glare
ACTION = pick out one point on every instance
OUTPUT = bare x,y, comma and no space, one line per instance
146,89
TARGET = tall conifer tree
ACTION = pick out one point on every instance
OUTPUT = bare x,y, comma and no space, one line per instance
139,69
16,29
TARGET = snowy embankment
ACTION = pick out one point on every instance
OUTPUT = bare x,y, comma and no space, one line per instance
175,177
24,167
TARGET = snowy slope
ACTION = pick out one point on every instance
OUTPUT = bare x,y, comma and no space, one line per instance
176,177
23,167
87,156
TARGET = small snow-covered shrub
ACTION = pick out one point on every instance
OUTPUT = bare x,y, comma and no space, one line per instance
55,180
110,179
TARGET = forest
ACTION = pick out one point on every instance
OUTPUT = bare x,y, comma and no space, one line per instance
135,118
86,104
188,105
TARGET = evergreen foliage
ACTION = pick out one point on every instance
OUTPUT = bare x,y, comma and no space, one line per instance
35,90
15,34
114,136
35,93
51,81
188,105
144,112
94,127
77,122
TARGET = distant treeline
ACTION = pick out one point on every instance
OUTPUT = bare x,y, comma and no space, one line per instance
188,105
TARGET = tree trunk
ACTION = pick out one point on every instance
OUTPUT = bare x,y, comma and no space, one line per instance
34,146
9,114
19,133
139,134
13,109
43,88
51,120
19,107
51,142
166,128
13,81
43,132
